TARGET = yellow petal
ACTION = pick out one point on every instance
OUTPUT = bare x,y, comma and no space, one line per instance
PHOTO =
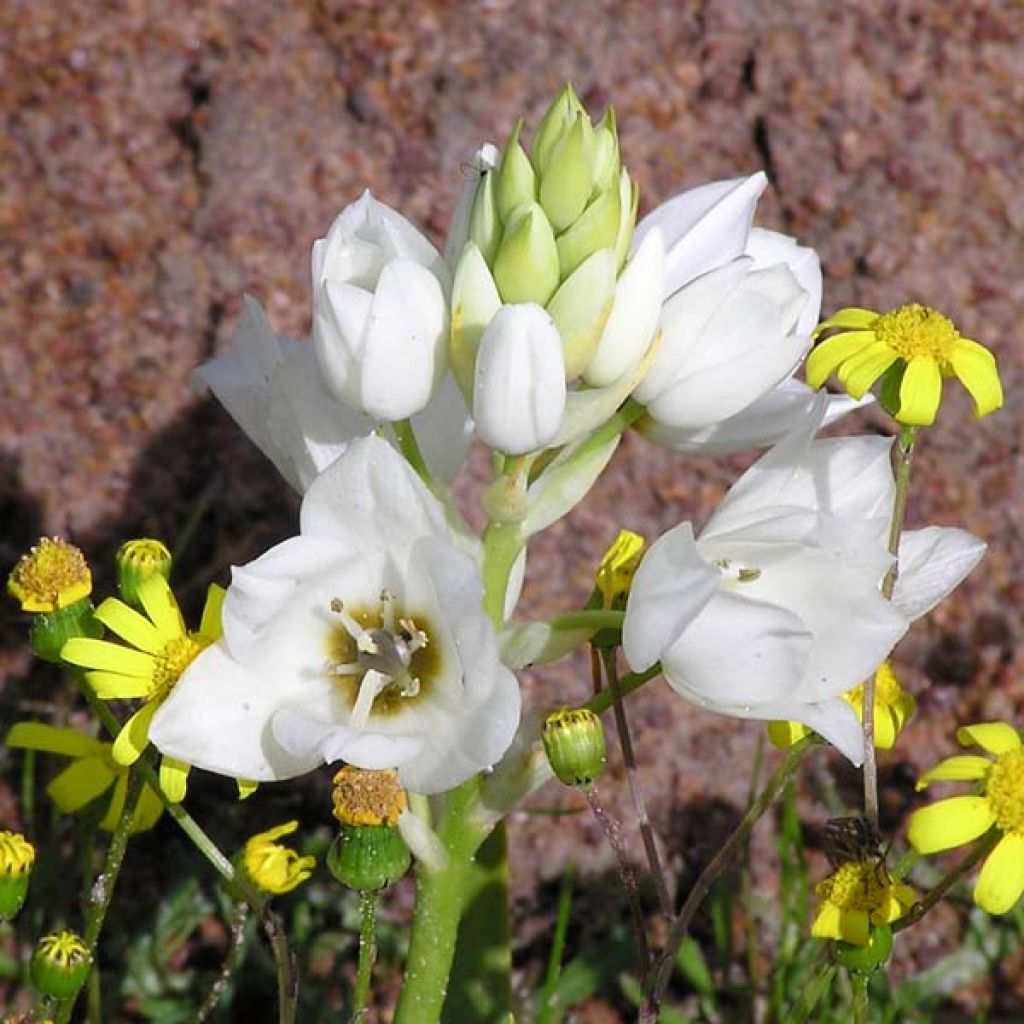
246,788
859,373
112,686
976,368
995,737
949,823
52,739
885,729
210,625
830,354
850,316
80,783
134,735
785,734
826,924
148,811
920,392
160,605
1001,881
173,779
962,768
107,656
130,626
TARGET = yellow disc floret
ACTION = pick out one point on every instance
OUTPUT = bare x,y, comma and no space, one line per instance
858,894
54,574
1004,791
916,330
363,797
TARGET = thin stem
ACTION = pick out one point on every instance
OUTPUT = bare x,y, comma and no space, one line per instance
557,946
962,868
232,961
658,982
632,778
860,997
591,618
903,450
284,961
102,890
367,952
602,701
410,448
616,840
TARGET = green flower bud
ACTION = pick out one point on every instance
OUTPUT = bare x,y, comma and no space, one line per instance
597,228
865,959
559,115
484,222
580,309
629,199
574,743
17,856
517,182
526,266
368,857
60,964
604,158
565,183
137,560
52,630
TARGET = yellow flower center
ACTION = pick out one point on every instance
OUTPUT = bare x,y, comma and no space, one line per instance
1005,791
856,885
17,854
54,574
172,661
917,330
363,797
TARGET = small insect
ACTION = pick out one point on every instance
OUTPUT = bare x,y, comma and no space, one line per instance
854,838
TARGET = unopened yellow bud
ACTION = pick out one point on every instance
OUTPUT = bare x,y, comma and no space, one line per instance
272,867
137,560
618,566
17,857
60,964
574,742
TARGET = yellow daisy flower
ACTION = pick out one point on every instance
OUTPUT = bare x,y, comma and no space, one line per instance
92,772
921,345
858,894
999,803
53,575
160,649
893,709
275,868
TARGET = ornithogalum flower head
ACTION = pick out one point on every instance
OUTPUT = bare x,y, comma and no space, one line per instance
362,639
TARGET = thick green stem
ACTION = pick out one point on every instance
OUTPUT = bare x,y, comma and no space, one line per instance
655,989
439,904
502,544
903,450
860,997
102,891
410,448
367,952
590,618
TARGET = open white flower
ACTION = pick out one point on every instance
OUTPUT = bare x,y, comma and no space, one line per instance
274,390
380,317
776,610
362,639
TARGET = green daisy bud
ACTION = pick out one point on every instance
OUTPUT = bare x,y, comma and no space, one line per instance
17,856
526,266
52,630
137,560
865,959
368,857
60,964
574,743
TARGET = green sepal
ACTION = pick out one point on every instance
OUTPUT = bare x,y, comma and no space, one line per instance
865,959
484,222
368,857
598,227
517,182
52,630
888,388
526,267
559,114
565,183
13,889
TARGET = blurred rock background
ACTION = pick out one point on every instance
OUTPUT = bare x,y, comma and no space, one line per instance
161,158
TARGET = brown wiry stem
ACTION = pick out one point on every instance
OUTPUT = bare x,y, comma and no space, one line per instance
232,960
657,983
613,833
632,779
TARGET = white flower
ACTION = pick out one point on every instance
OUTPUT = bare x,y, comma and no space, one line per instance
519,391
361,639
274,390
776,609
380,318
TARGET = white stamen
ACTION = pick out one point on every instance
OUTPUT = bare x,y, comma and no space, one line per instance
372,684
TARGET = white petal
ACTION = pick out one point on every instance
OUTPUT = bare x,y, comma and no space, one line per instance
738,652
371,494
833,719
519,391
932,563
443,429
672,584
634,316
771,247
317,740
704,227
403,356
340,313
486,157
